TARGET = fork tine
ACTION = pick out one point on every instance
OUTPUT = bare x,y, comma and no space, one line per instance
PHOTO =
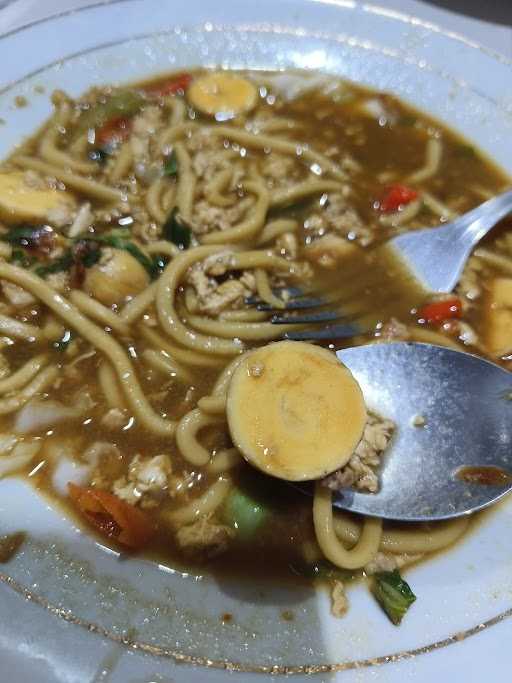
322,317
292,292
329,332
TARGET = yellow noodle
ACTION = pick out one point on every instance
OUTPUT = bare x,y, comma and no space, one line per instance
97,338
38,384
83,185
217,185
422,334
109,384
433,154
140,303
169,319
24,374
14,328
301,191
367,545
48,146
258,259
251,225
21,456
178,109
245,331
415,539
185,356
163,247
186,436
161,361
204,505
265,291
215,404
169,198
276,228
403,216
122,163
296,149
5,250
502,262
186,182
94,309
175,132
224,460
436,206
154,200
246,315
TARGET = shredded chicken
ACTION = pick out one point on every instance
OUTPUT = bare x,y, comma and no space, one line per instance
147,480
83,220
204,538
360,469
339,600
114,418
212,296
338,216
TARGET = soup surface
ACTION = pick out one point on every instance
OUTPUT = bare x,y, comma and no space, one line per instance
139,229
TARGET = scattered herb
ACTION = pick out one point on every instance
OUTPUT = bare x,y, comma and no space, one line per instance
117,239
122,103
171,165
40,238
20,258
62,344
393,594
60,264
176,231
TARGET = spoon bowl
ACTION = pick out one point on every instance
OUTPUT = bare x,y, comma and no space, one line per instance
465,404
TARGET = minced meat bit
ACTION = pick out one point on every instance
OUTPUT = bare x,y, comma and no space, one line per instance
204,538
360,469
147,481
388,562
339,600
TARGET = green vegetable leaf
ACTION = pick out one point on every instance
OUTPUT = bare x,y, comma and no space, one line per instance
117,239
171,165
121,103
20,258
393,594
19,234
176,231
244,512
64,262
62,344
322,569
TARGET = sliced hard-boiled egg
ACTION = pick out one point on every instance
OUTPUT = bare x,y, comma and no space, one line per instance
19,201
223,95
294,411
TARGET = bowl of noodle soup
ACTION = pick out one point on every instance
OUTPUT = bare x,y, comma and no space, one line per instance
138,226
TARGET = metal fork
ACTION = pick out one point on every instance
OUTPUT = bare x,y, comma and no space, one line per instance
434,256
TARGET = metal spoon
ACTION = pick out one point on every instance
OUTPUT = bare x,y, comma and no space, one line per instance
467,406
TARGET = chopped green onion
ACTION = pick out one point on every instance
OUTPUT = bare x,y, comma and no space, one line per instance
64,262
175,231
20,258
171,165
117,240
122,103
393,594
244,512
20,234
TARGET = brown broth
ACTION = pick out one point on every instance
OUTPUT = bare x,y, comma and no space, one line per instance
373,287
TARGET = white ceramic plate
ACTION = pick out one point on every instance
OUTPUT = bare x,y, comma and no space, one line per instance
87,601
